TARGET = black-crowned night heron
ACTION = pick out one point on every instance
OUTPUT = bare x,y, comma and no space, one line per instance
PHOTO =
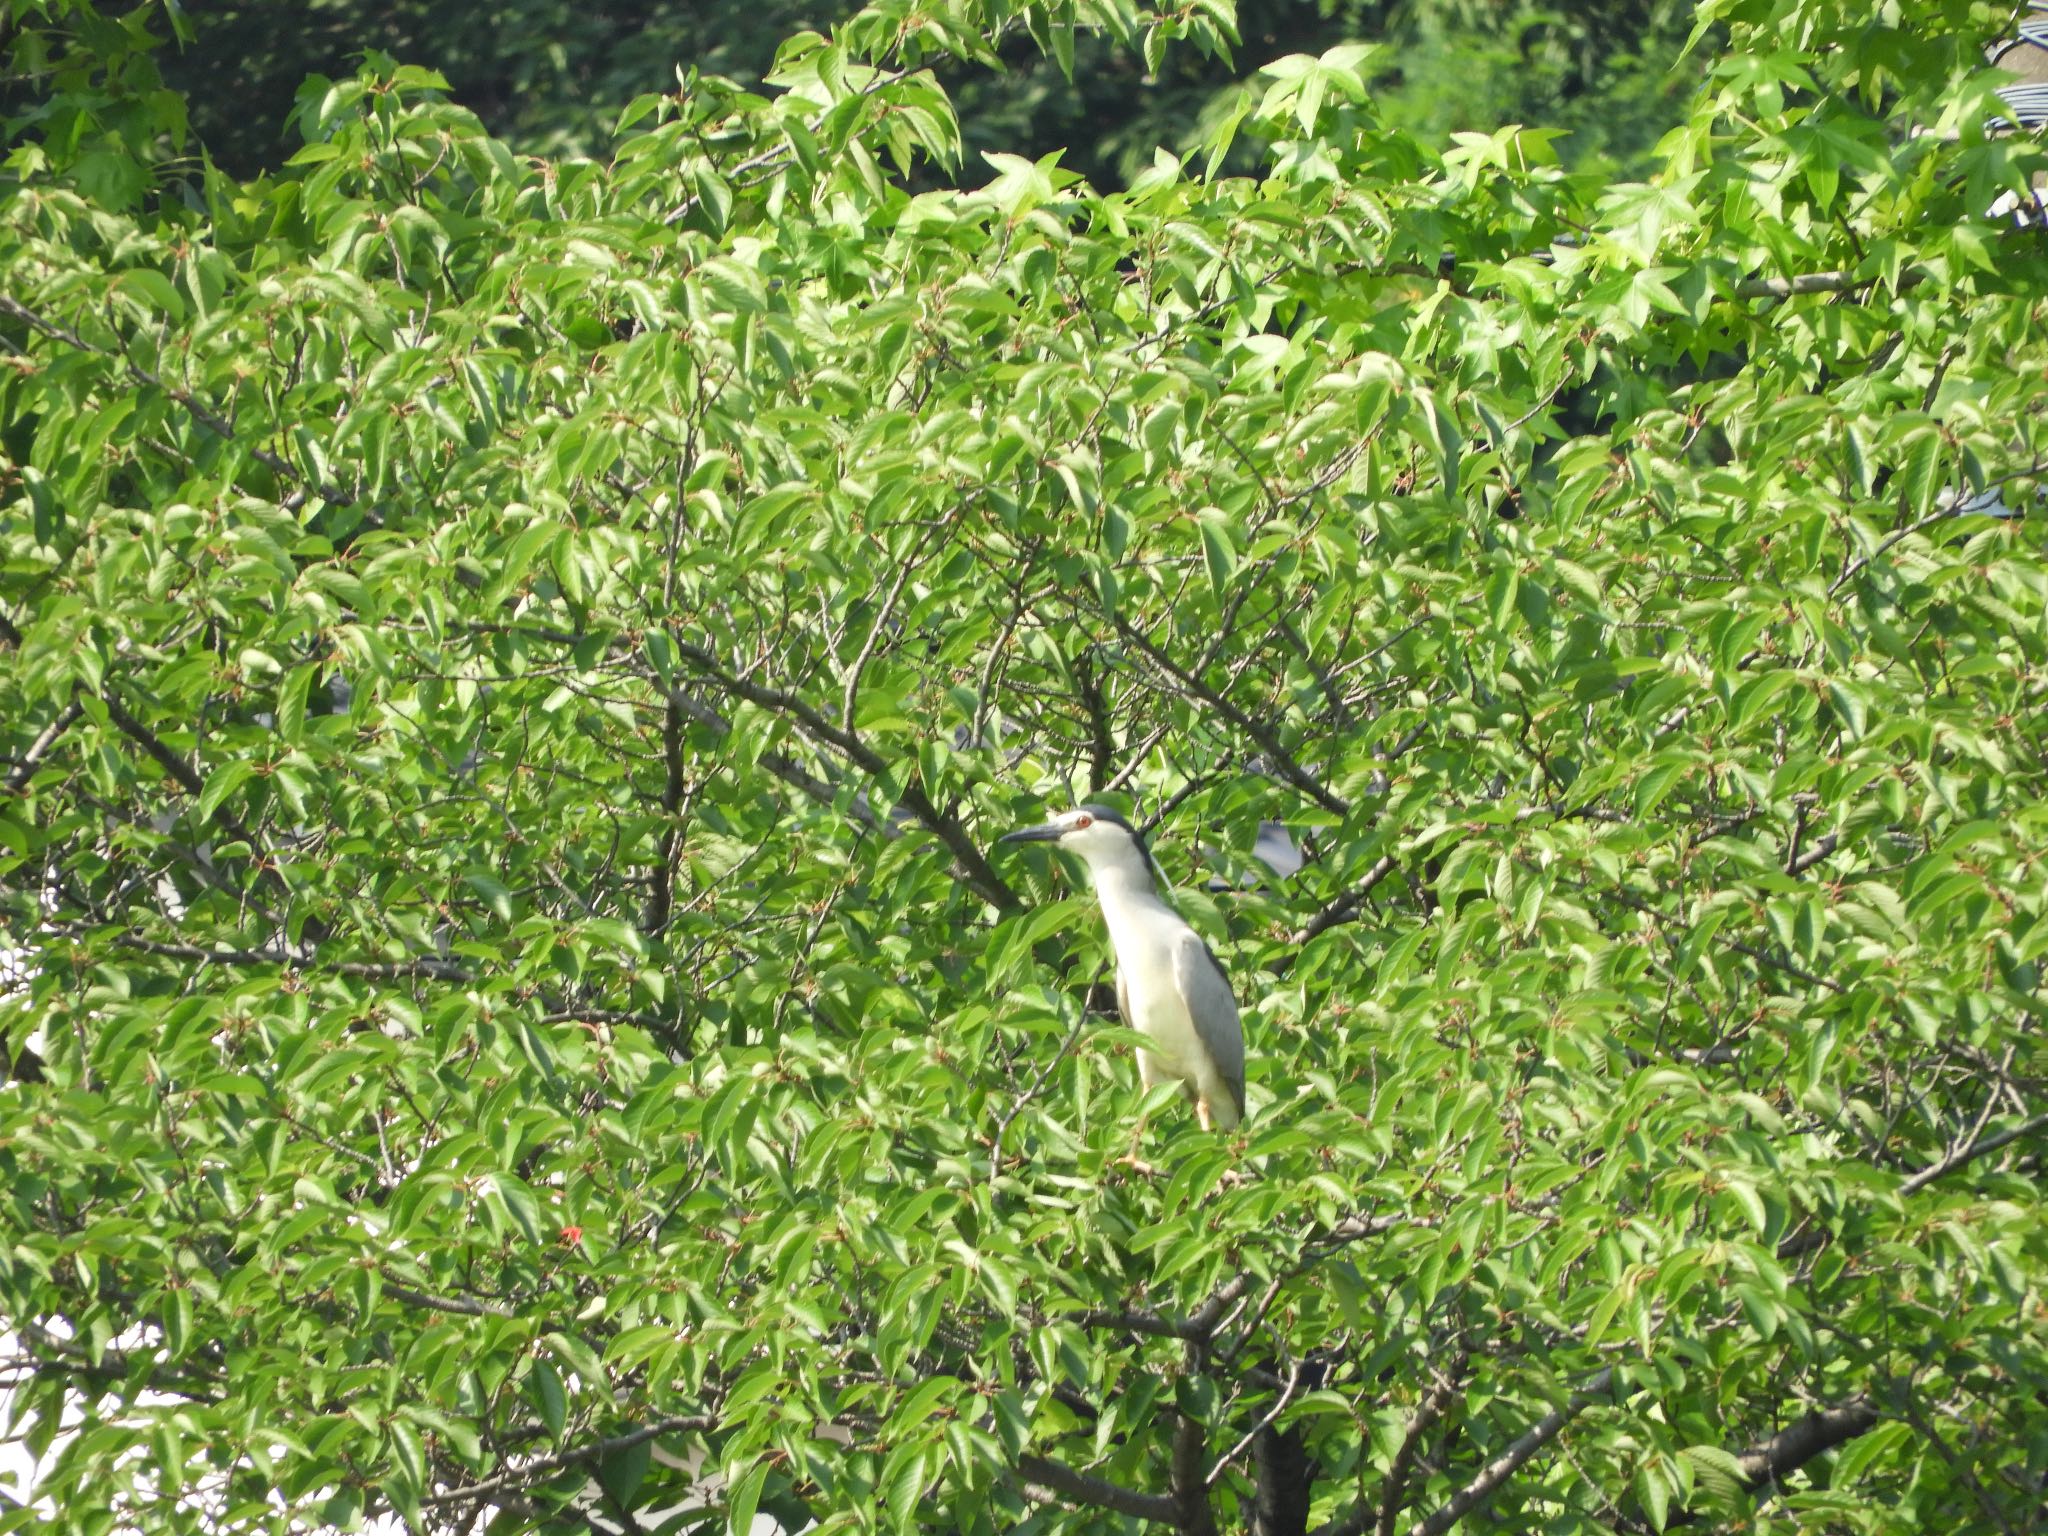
1169,987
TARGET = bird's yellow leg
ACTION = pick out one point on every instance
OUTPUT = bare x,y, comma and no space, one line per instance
1131,1160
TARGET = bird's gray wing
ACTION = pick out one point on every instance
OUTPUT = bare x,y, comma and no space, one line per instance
1211,1008
1123,1001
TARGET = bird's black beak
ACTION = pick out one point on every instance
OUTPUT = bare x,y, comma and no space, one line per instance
1044,834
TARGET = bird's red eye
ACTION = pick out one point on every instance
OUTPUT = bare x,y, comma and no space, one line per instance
1081,824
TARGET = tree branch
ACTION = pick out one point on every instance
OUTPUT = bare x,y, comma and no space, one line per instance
1192,1511
1268,740
1762,957
1202,1323
40,747
187,779
1802,861
973,863
197,409
850,697
1346,906
1153,1324
533,1471
1283,1482
461,1306
1820,1431
1816,282
181,771
1956,1157
1495,1473
1080,1487
393,970
783,766
1427,1412
661,898
1279,1406
1101,739
1951,508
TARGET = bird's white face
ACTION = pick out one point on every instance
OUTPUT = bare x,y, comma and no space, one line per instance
1100,839
1084,833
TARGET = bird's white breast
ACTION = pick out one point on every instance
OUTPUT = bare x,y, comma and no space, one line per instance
1158,1011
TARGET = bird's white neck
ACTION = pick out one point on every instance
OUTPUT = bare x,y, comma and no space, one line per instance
1123,884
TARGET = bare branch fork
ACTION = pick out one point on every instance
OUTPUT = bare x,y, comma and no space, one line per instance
1345,907
1951,508
1525,1445
1267,739
38,749
1427,1412
1279,1406
974,865
1970,1150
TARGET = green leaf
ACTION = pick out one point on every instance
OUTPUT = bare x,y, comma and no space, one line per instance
550,1398
623,1471
714,196
746,1497
1718,1470
1655,1492
155,290
292,690
46,511
1502,587
1920,471
636,109
494,892
1219,555
904,1476
221,783
579,1356
177,1323
1745,1196
514,1203
1755,696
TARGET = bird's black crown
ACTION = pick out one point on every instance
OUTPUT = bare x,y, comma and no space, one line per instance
1116,819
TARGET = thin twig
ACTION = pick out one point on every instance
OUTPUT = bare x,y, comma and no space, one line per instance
1237,1450
1971,1149
40,747
1497,1471
995,1145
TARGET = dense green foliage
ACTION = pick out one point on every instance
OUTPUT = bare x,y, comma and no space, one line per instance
549,76
545,75
509,670
1605,73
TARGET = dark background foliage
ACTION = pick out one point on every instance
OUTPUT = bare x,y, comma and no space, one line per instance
550,76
